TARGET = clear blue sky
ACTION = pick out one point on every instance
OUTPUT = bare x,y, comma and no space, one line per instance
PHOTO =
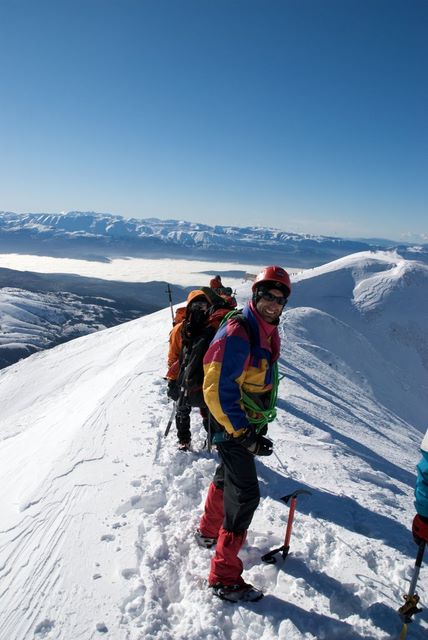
307,115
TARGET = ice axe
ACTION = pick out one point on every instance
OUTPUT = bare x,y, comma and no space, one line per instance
269,557
410,607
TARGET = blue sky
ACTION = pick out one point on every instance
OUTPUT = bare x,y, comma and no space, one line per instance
307,115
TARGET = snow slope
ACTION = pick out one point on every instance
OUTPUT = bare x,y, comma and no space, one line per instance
31,321
40,311
98,509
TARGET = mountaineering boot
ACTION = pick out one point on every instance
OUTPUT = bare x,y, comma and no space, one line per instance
237,593
184,446
204,541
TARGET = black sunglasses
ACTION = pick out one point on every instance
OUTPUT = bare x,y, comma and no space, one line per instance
269,297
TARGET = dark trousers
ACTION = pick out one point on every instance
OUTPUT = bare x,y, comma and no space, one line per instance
236,476
182,421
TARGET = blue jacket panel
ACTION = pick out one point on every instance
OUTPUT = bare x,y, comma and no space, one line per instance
421,490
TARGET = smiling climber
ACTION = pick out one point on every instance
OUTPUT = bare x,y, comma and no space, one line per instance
240,390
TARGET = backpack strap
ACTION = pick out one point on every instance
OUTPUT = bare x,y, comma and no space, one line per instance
237,313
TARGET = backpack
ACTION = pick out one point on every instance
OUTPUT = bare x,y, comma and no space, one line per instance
196,339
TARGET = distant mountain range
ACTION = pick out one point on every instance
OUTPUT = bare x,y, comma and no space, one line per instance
99,236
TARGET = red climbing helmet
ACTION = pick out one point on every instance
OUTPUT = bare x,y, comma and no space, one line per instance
277,277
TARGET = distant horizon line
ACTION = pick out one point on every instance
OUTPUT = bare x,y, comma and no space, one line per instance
423,237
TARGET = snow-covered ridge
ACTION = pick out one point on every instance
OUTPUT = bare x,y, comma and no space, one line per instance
381,299
98,508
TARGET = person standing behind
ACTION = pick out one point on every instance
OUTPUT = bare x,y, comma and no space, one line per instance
240,364
225,292
180,344
216,284
188,342
420,521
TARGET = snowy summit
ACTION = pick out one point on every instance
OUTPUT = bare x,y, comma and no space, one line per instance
98,509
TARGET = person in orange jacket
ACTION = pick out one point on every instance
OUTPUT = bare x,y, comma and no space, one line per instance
188,342
196,314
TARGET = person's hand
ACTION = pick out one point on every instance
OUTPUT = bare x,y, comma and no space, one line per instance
264,446
256,444
420,529
173,390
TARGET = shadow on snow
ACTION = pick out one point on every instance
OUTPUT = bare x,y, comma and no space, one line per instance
340,510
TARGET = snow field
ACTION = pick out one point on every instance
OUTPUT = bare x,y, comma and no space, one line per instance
98,508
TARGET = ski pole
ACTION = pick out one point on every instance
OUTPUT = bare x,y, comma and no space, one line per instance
182,395
279,460
410,607
168,291
171,418
269,557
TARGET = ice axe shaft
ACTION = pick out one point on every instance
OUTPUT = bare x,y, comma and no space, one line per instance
270,556
289,526
171,418
417,569
410,606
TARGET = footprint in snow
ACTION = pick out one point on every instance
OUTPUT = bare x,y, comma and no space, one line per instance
129,573
44,627
101,627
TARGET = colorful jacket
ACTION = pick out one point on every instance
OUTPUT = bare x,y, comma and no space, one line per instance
240,358
421,490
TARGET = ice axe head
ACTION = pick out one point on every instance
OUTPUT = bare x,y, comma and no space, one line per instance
299,492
